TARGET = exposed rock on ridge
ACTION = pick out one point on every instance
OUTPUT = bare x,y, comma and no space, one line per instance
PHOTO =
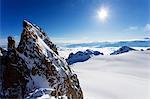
123,49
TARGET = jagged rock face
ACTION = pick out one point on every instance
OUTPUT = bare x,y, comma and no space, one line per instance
39,33
35,64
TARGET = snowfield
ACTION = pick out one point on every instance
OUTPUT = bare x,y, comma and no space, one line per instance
123,76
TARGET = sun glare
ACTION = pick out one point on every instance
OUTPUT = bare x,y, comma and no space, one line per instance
102,14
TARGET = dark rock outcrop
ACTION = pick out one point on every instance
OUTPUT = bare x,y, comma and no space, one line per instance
148,48
11,43
123,49
81,56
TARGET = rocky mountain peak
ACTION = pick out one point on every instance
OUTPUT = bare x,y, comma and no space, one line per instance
34,65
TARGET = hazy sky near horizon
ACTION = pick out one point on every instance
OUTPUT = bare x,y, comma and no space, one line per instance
77,20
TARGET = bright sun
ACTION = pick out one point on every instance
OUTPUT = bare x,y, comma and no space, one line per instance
102,14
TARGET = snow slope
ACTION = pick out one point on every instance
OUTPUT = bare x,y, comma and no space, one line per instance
123,76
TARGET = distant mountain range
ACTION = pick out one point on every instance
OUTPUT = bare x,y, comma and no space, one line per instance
135,43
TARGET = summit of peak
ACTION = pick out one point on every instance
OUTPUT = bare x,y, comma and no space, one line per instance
33,34
26,23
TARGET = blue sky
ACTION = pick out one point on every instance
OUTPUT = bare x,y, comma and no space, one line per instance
77,20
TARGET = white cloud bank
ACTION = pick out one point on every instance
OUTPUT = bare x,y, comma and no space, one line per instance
124,76
133,28
147,28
